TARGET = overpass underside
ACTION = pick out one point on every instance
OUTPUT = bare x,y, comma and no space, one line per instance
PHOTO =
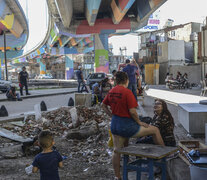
82,26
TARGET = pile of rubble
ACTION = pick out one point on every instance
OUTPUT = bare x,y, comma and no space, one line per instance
81,134
61,121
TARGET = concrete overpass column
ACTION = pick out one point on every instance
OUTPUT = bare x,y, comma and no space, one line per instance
101,53
69,71
0,67
42,66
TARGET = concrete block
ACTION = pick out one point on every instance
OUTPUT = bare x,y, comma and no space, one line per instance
193,117
178,170
83,99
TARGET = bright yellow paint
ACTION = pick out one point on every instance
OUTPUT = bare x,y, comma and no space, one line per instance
149,72
8,21
38,52
60,42
7,48
42,72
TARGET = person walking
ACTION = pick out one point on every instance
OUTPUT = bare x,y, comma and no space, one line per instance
131,69
81,81
23,78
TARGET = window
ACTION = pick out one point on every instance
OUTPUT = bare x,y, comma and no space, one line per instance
172,33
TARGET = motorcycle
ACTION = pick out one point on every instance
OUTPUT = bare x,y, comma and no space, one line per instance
178,84
174,84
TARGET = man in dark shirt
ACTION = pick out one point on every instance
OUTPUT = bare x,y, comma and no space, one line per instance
131,69
81,81
23,78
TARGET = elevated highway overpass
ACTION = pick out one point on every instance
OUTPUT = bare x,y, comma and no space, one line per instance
14,30
81,26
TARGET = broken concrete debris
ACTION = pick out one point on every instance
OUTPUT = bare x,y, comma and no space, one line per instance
85,144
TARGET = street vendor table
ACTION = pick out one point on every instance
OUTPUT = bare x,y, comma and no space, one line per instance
147,156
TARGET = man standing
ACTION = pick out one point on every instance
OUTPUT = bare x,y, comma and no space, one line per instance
81,81
23,78
131,69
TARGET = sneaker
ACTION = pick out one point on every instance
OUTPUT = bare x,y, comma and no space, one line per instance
20,99
28,94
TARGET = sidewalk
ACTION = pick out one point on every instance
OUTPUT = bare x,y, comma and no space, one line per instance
175,96
42,93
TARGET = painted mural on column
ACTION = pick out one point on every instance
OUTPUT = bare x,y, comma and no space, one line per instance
101,53
69,70
0,68
42,66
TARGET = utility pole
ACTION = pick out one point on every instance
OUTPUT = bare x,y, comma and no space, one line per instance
5,55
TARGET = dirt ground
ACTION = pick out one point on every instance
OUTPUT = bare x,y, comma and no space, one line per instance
88,159
82,163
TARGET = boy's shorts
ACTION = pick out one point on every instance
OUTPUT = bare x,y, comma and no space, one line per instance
123,126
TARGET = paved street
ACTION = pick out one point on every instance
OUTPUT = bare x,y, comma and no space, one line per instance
27,105
44,92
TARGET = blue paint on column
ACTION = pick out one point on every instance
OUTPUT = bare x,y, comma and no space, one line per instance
69,71
93,4
104,39
42,66
11,54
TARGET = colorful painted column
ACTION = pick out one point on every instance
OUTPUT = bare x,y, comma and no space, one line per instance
101,53
120,8
0,67
69,71
42,66
92,7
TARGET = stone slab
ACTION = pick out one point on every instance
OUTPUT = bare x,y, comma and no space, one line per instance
83,99
193,117
10,135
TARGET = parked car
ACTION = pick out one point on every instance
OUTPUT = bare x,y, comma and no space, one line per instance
95,77
4,85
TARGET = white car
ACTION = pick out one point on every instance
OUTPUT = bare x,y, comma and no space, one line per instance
4,85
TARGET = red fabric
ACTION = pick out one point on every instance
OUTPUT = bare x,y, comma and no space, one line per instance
120,99
20,85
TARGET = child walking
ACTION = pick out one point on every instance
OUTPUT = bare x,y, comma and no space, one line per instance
48,160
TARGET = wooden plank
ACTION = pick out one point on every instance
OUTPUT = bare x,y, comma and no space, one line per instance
148,151
10,135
